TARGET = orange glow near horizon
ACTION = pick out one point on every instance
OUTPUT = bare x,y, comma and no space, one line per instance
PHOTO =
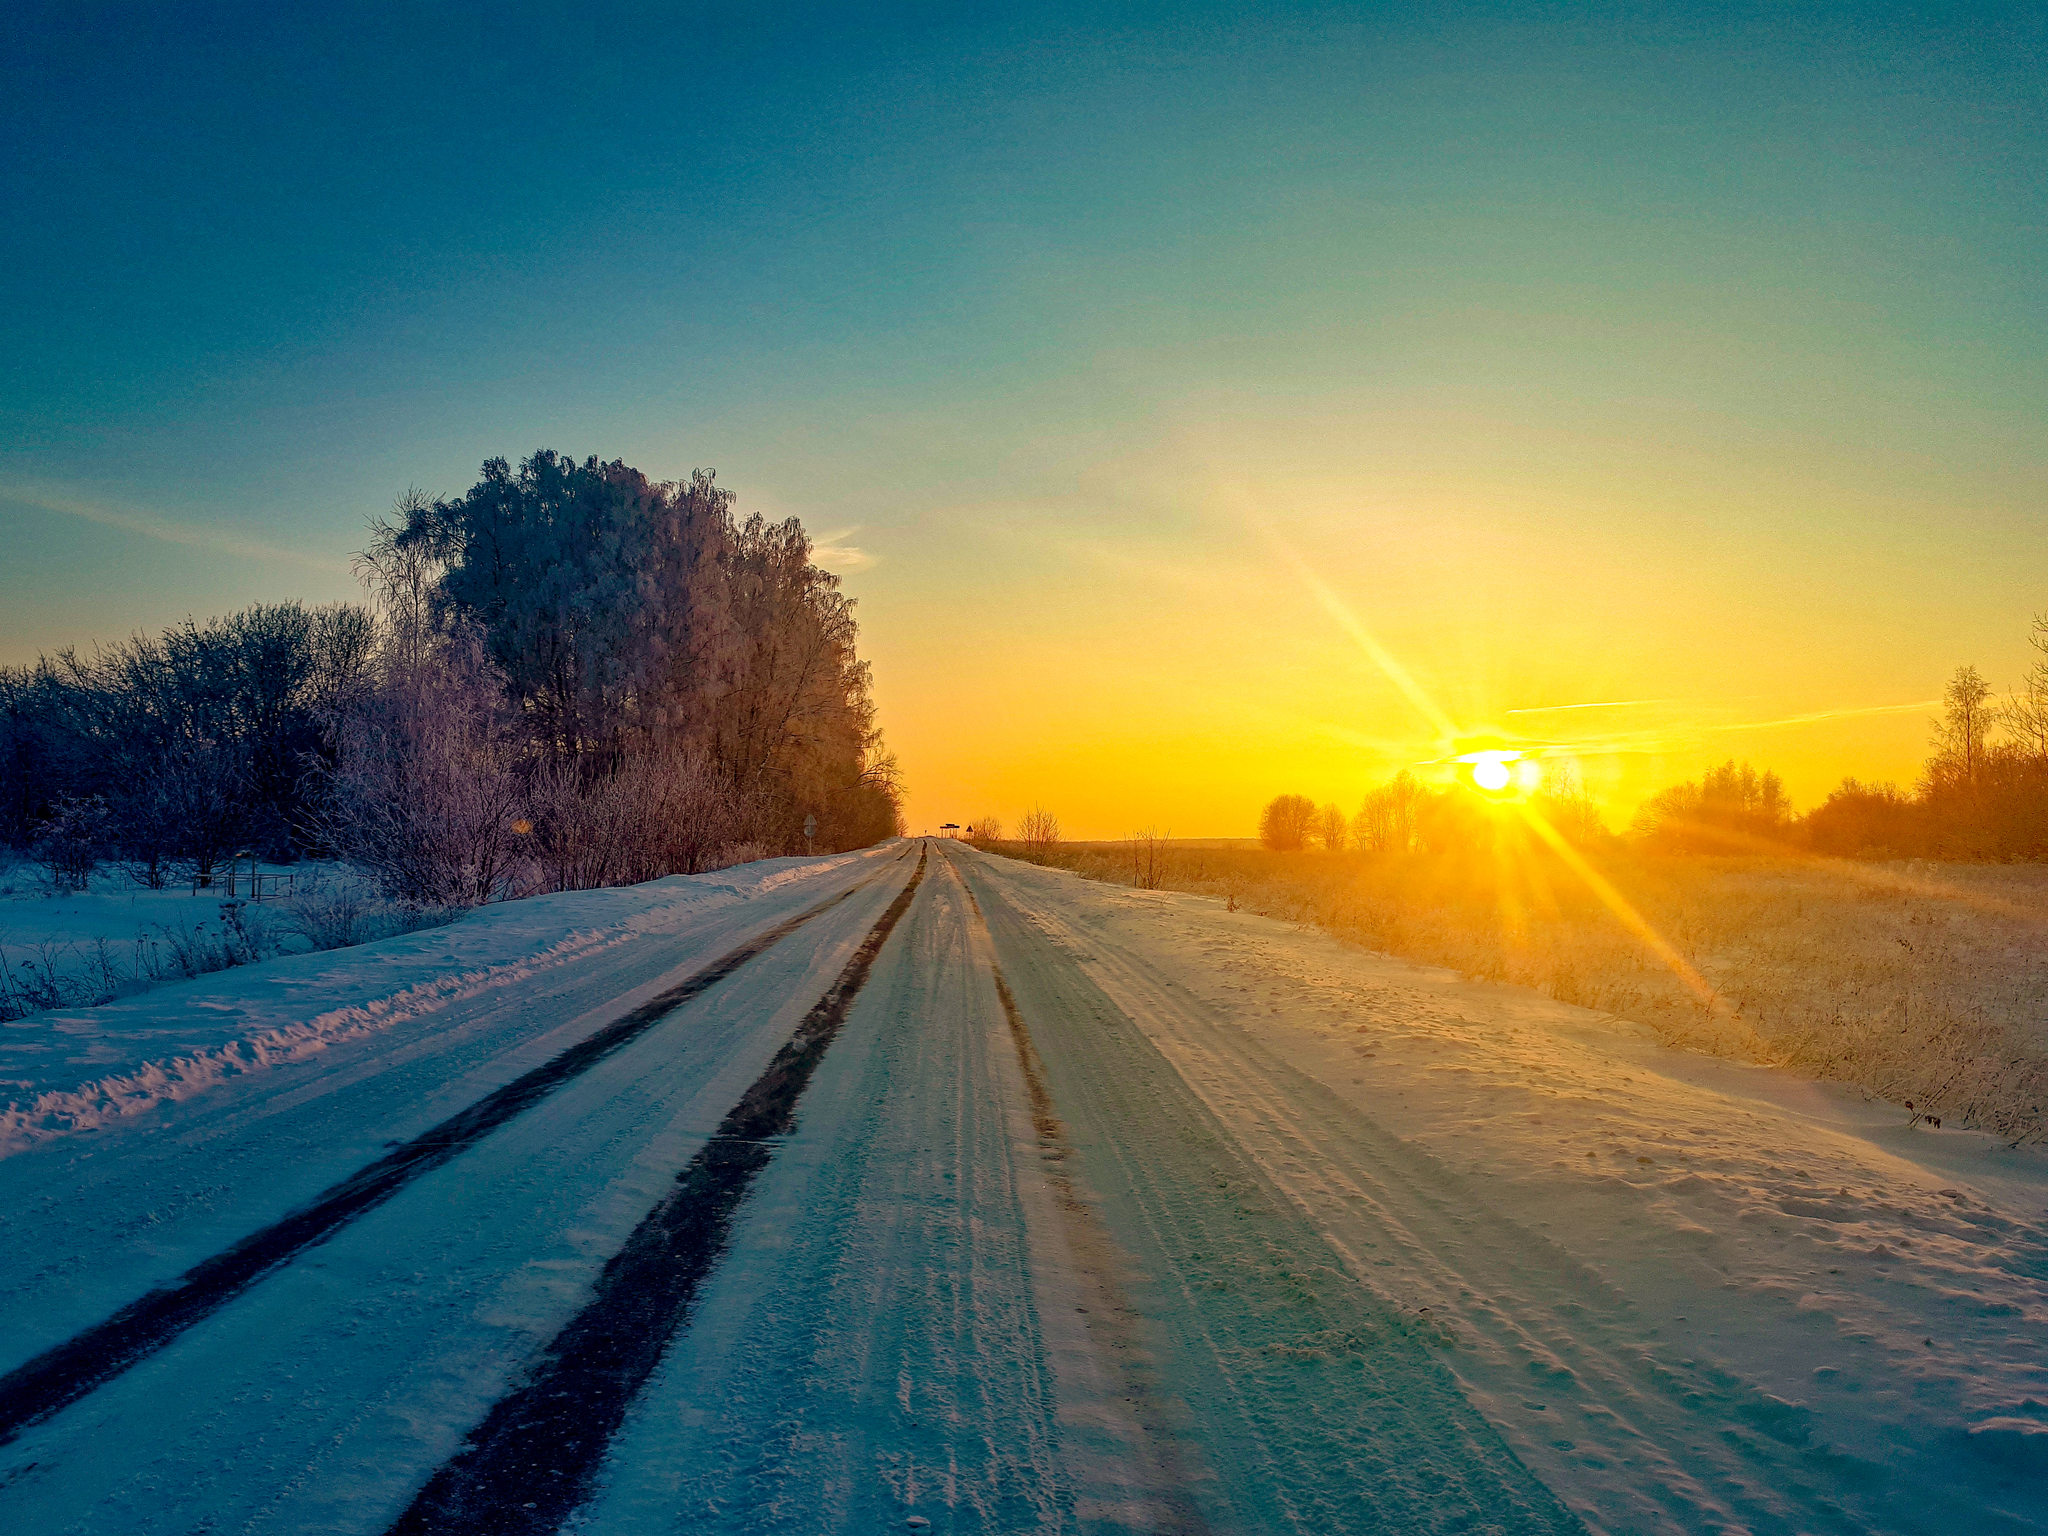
1168,645
1503,776
1616,748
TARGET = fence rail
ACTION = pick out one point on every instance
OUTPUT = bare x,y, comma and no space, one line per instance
254,885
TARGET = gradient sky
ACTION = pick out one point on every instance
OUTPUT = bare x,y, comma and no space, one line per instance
1689,363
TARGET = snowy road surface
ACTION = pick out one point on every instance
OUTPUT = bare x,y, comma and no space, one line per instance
923,1189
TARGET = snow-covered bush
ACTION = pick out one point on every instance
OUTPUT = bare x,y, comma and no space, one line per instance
333,910
426,787
71,842
339,913
74,974
662,814
335,916
238,937
30,984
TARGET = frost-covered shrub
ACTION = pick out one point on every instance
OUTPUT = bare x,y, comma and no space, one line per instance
29,985
74,976
199,949
339,914
71,842
425,788
649,816
334,916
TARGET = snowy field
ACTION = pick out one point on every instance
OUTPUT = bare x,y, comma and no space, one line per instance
1100,1210
117,938
65,930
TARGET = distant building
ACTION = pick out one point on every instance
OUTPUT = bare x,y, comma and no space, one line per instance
950,829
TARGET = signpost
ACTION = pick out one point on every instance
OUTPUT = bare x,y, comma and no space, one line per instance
810,831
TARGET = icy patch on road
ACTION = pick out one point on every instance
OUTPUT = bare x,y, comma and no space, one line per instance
80,1069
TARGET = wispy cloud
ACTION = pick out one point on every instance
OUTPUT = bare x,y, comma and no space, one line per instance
153,525
833,553
1396,749
1679,736
1553,709
1829,714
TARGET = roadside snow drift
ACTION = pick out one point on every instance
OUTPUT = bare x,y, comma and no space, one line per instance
78,1069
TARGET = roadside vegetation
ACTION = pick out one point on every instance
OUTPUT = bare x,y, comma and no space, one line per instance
170,937
568,677
1920,982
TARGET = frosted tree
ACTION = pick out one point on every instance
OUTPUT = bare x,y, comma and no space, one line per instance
1039,831
426,791
1332,830
1388,818
1287,823
1962,734
2025,715
1731,808
600,594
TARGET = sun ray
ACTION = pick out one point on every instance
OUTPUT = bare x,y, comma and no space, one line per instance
1382,658
1618,904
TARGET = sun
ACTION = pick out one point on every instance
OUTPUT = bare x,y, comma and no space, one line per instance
1497,770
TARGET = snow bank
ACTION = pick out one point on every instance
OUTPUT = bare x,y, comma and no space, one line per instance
76,1069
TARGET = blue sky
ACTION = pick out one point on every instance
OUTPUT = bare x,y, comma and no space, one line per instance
1030,306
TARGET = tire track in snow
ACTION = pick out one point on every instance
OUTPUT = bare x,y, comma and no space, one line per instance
1320,1405
547,1438
1158,1472
66,1372
899,1325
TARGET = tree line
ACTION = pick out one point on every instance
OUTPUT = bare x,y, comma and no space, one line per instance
569,676
1405,815
1982,795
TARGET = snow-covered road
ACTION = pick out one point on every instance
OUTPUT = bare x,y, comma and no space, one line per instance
923,1187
